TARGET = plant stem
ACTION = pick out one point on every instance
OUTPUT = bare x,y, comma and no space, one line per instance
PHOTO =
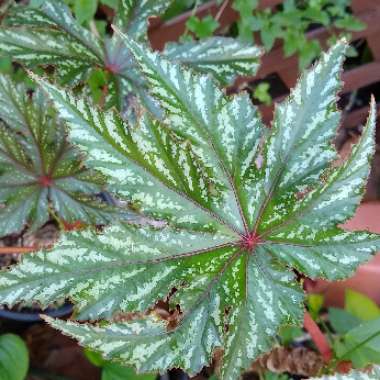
221,10
318,337
10,250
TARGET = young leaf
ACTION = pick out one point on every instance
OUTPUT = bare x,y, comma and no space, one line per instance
202,28
241,211
361,306
39,167
14,357
85,10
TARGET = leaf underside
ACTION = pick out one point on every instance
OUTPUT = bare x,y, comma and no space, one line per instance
241,209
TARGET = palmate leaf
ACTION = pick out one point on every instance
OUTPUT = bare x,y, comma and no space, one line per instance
241,211
225,58
132,15
50,36
39,167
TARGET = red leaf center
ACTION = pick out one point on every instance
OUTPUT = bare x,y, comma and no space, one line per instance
45,181
250,241
112,68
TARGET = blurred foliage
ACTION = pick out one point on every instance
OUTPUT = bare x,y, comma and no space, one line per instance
358,328
261,93
290,21
202,28
274,376
353,331
14,357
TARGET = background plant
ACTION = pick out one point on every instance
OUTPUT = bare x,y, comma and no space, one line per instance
114,371
290,22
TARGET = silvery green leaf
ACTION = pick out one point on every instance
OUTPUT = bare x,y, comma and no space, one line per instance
132,15
226,58
38,166
239,210
192,341
51,37
371,374
54,14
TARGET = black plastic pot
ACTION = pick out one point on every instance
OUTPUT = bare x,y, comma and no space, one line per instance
35,316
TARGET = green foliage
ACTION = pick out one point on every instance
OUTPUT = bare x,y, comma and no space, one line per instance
239,209
342,321
84,10
288,334
246,20
292,21
49,36
202,28
261,93
224,58
358,308
40,172
361,345
359,328
14,358
114,371
315,304
274,376
361,306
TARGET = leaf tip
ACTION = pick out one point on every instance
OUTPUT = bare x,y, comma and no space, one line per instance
46,318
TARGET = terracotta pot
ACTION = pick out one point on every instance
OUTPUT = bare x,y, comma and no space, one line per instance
367,278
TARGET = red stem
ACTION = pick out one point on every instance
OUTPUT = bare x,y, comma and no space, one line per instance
8,250
318,337
77,225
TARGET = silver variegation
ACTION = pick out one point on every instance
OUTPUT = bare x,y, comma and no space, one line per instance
240,207
371,374
49,36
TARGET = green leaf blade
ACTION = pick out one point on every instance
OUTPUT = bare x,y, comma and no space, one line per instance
237,210
300,148
225,58
144,173
72,269
133,15
39,168
14,357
